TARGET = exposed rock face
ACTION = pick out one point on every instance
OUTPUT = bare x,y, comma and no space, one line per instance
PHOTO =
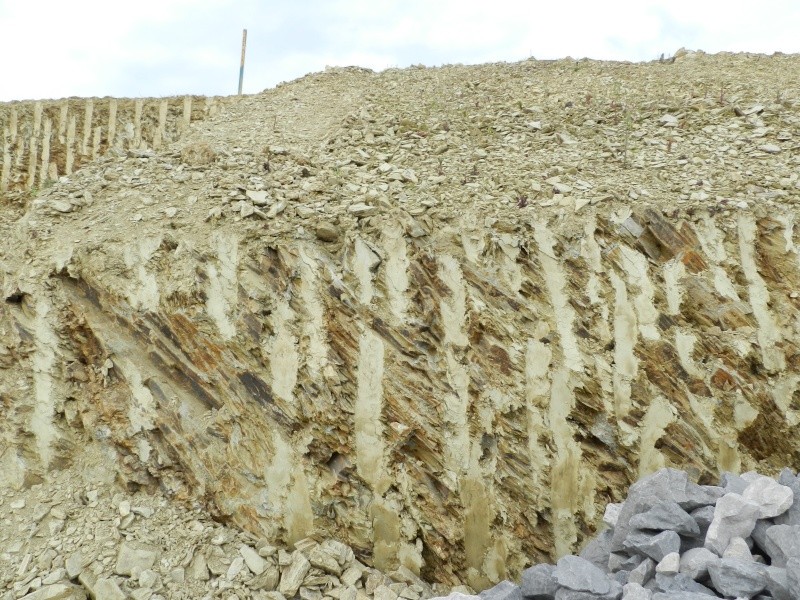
451,389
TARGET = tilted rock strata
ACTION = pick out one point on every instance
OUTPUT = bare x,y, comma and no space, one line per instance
455,387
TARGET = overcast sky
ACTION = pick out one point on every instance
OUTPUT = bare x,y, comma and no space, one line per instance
53,49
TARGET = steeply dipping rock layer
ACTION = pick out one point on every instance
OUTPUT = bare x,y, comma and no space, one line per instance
447,334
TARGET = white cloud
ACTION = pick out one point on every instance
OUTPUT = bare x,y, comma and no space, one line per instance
159,47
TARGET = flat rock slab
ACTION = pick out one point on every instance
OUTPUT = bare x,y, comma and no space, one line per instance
655,546
539,580
738,578
666,515
580,575
135,557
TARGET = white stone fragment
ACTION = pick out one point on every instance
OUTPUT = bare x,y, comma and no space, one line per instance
670,564
254,562
236,567
771,497
733,517
738,548
695,562
611,515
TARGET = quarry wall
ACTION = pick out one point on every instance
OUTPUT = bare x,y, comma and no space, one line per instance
444,315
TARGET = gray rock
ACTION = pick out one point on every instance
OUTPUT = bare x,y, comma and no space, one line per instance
776,583
611,514
665,485
580,575
505,590
621,561
737,578
680,583
598,550
679,596
703,517
634,591
643,572
759,533
698,496
539,582
733,517
695,563
732,483
793,577
664,516
615,593
655,546
782,542
787,476
792,514
621,577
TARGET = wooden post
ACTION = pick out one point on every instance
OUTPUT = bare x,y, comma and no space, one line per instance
241,65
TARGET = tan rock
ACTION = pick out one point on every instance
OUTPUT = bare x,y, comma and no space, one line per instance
292,577
267,580
107,588
198,568
135,557
254,562
321,559
58,591
327,232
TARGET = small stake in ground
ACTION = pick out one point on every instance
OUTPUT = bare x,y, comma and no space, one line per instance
241,65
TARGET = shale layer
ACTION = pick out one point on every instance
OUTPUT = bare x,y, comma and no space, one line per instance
444,315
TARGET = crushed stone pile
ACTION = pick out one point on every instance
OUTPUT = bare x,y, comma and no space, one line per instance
65,540
676,540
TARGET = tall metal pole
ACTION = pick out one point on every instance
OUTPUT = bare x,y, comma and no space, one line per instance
241,65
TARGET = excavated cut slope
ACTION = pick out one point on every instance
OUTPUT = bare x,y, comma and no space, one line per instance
443,314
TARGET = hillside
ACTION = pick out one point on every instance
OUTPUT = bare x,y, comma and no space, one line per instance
441,314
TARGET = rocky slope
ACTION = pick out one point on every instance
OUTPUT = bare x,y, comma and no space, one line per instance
444,315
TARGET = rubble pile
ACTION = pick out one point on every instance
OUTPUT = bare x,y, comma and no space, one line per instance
63,540
672,539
